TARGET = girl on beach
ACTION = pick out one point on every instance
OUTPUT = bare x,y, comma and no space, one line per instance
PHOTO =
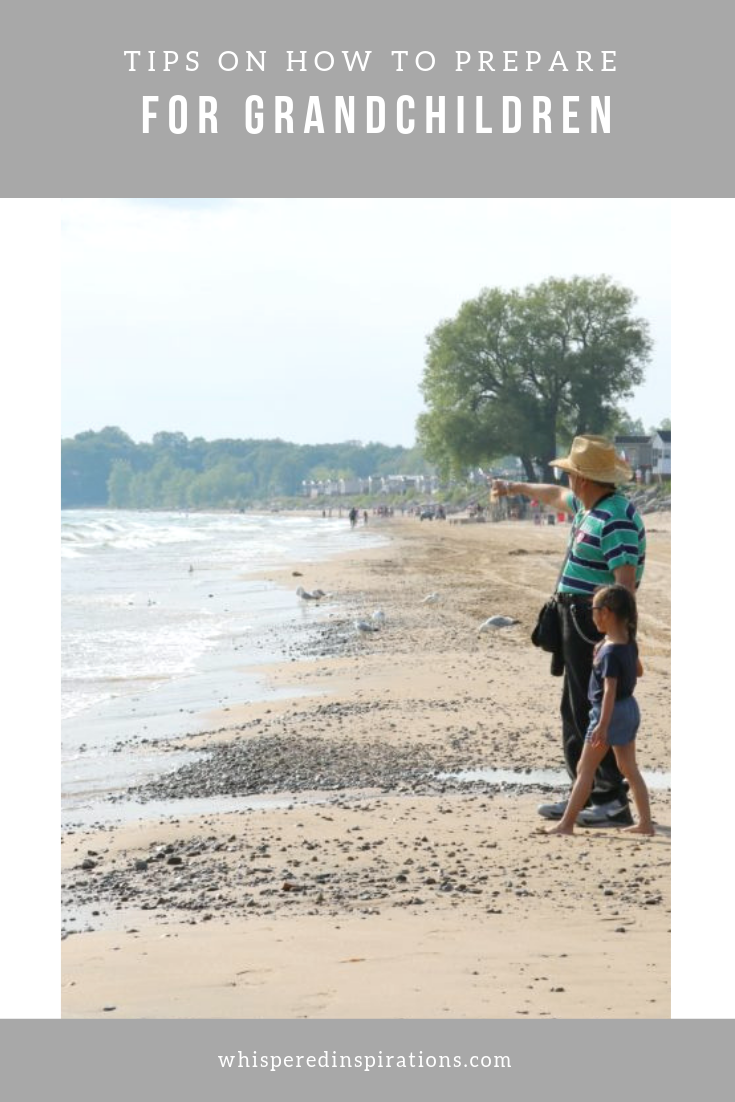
614,715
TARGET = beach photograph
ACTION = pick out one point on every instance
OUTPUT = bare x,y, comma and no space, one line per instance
324,464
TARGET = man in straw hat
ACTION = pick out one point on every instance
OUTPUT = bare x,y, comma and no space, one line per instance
607,545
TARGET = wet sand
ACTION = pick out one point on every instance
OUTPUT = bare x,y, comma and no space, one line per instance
440,899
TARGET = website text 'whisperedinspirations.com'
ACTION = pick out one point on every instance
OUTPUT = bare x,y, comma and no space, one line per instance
360,1061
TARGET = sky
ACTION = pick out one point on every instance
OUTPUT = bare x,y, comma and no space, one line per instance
306,319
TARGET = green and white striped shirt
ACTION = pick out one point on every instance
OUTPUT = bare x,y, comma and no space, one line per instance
610,535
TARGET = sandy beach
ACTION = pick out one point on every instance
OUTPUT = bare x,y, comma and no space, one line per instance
366,879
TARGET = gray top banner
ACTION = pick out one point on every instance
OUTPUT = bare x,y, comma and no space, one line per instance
400,98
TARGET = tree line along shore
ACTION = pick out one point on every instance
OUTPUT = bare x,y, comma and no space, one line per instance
512,378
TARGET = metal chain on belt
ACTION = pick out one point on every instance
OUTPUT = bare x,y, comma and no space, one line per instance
580,633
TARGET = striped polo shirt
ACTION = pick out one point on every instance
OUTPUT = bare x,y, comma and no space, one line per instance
611,534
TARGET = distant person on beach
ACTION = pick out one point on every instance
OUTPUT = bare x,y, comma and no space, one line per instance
353,516
607,546
365,517
614,713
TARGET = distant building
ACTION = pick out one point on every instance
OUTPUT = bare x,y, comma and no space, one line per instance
661,446
352,486
408,484
375,484
637,452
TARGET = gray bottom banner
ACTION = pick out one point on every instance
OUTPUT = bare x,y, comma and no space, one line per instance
362,1059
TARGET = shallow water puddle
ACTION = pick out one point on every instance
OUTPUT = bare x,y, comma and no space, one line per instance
96,812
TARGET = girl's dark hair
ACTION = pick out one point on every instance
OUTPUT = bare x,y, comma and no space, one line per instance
621,603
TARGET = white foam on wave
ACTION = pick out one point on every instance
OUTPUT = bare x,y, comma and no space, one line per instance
122,654
130,532
147,595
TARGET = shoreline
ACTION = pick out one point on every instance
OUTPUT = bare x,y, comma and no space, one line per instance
137,720
392,866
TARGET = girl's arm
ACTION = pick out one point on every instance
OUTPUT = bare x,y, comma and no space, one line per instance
599,735
639,668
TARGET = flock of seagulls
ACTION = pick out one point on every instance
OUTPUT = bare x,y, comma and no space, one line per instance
378,618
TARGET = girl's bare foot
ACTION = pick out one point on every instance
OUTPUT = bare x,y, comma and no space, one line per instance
639,829
559,830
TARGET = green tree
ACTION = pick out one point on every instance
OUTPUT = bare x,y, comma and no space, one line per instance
664,425
171,472
86,464
522,372
223,484
172,445
119,484
626,426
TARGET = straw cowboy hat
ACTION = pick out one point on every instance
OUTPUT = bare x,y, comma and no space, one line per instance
594,457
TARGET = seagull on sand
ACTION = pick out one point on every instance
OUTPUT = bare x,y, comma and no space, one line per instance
315,595
495,622
362,627
431,599
378,617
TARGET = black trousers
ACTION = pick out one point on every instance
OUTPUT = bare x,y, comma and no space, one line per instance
609,782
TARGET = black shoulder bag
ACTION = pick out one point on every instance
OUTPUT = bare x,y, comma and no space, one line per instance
547,633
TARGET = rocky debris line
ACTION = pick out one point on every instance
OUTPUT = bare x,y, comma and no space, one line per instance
334,639
459,724
651,501
208,877
327,867
298,763
407,630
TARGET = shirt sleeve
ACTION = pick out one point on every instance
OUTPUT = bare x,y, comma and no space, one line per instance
609,663
619,543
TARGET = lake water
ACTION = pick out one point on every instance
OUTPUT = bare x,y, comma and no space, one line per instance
162,620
